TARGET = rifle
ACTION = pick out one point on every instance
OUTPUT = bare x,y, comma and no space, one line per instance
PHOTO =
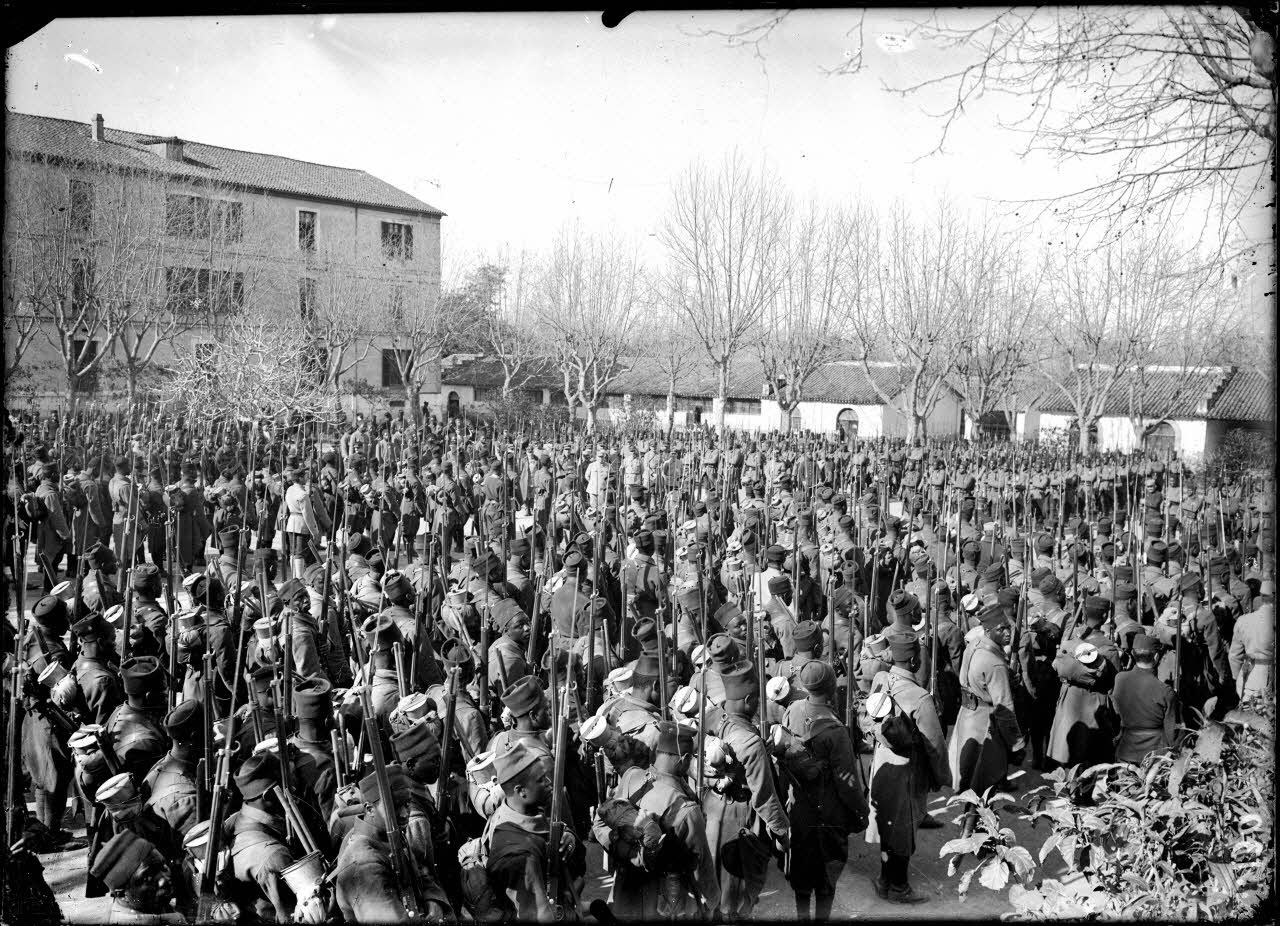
556,826
444,793
403,862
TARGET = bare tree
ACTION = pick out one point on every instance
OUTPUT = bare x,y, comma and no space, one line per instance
724,234
588,305
998,343
924,280
259,367
1179,102
422,328
1101,307
508,331
338,307
803,328
664,341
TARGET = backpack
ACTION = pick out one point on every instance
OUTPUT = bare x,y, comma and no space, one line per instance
483,901
897,728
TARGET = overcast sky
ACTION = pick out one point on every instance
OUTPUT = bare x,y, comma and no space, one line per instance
513,124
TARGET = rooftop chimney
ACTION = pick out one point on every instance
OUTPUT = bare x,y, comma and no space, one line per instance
96,129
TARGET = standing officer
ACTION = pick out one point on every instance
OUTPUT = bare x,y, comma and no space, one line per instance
1145,705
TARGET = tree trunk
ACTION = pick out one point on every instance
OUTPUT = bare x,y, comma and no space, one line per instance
411,398
590,409
722,367
1082,441
131,382
785,425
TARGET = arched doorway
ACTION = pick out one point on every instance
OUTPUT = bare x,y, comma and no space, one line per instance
1162,440
847,423
455,405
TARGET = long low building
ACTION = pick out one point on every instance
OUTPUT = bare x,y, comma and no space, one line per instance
1189,412
840,397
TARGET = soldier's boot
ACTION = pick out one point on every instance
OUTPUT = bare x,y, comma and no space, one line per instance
802,905
822,904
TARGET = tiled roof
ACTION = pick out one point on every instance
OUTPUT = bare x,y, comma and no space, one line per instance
486,372
1155,393
67,140
1249,395
843,382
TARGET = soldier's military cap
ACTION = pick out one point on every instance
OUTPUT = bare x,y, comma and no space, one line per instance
1122,573
1051,586
967,504
1096,607
699,508
573,560
1173,549
1044,543
690,598
357,544
417,704
258,774
117,791
51,611
674,739
375,561
99,556
313,698
397,588
513,761
644,541
291,590
1124,591
380,631
522,695
507,614
750,517
228,538
903,606
844,522
519,546
455,654
401,790
141,675
1142,645
738,682
1008,598
1189,585
1018,548
723,652
970,549
646,631
1219,566
1104,527
779,585
418,740
183,723
1107,549
91,629
775,553
120,858
817,676
1157,552
993,573
645,668
993,616
902,646
806,635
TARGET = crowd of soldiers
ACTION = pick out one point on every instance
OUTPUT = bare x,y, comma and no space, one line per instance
427,666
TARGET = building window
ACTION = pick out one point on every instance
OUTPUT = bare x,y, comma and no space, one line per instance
315,362
847,423
742,406
391,366
192,291
81,283
306,231
397,241
307,298
81,207
82,354
186,216
198,217
1162,440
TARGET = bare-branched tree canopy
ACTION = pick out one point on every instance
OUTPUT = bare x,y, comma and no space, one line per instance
724,235
804,324
589,303
1179,102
